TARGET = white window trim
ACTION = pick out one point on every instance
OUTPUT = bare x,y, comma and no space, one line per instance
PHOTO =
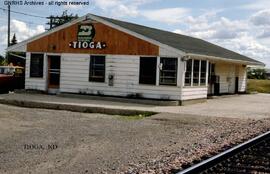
192,73
157,71
207,70
44,74
105,73
200,64
177,70
178,79
192,69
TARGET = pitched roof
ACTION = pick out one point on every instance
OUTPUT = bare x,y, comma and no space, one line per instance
184,43
187,44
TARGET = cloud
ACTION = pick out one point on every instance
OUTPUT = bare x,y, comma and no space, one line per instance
261,18
22,31
241,36
121,8
166,15
210,26
131,8
265,33
256,5
247,45
105,4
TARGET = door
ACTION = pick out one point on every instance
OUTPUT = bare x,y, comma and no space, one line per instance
54,72
211,78
236,84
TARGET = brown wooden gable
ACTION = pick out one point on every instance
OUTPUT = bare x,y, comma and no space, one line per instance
117,42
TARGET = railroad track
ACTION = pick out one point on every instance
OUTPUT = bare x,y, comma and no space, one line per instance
252,156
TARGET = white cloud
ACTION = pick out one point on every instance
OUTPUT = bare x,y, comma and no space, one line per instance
121,8
265,33
131,8
256,5
209,26
105,4
261,18
247,45
22,31
166,15
237,35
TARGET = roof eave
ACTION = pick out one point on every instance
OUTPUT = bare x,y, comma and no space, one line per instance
257,63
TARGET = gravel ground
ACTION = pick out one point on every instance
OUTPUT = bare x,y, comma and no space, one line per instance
96,143
231,106
255,106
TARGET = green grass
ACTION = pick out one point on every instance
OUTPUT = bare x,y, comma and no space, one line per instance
262,86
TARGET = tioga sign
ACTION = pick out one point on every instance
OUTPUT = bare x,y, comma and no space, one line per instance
91,45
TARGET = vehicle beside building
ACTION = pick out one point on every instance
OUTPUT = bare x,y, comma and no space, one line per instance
102,56
11,77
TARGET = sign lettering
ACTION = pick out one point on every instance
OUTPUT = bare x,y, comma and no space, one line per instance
87,45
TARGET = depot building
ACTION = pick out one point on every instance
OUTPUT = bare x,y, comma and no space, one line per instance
102,56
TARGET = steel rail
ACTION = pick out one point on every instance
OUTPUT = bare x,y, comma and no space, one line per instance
224,155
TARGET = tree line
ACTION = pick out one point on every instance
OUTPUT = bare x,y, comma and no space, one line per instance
257,73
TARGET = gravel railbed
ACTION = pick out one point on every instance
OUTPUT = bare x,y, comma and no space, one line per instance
229,134
97,143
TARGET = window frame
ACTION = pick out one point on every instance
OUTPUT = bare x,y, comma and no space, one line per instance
190,72
196,71
40,74
91,78
155,74
176,71
199,84
205,76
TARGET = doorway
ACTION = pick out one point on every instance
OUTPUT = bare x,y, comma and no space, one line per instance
54,63
236,85
213,80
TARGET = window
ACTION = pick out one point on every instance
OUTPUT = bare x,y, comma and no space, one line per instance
203,72
36,65
148,66
188,72
97,69
195,72
168,71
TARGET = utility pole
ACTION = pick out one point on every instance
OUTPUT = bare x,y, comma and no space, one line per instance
50,23
8,41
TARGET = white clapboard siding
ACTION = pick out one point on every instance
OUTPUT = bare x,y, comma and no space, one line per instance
75,74
242,79
231,78
35,83
228,73
189,93
223,71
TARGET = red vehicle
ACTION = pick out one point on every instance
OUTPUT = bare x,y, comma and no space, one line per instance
11,77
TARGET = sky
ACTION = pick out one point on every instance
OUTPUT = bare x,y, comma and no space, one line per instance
239,25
